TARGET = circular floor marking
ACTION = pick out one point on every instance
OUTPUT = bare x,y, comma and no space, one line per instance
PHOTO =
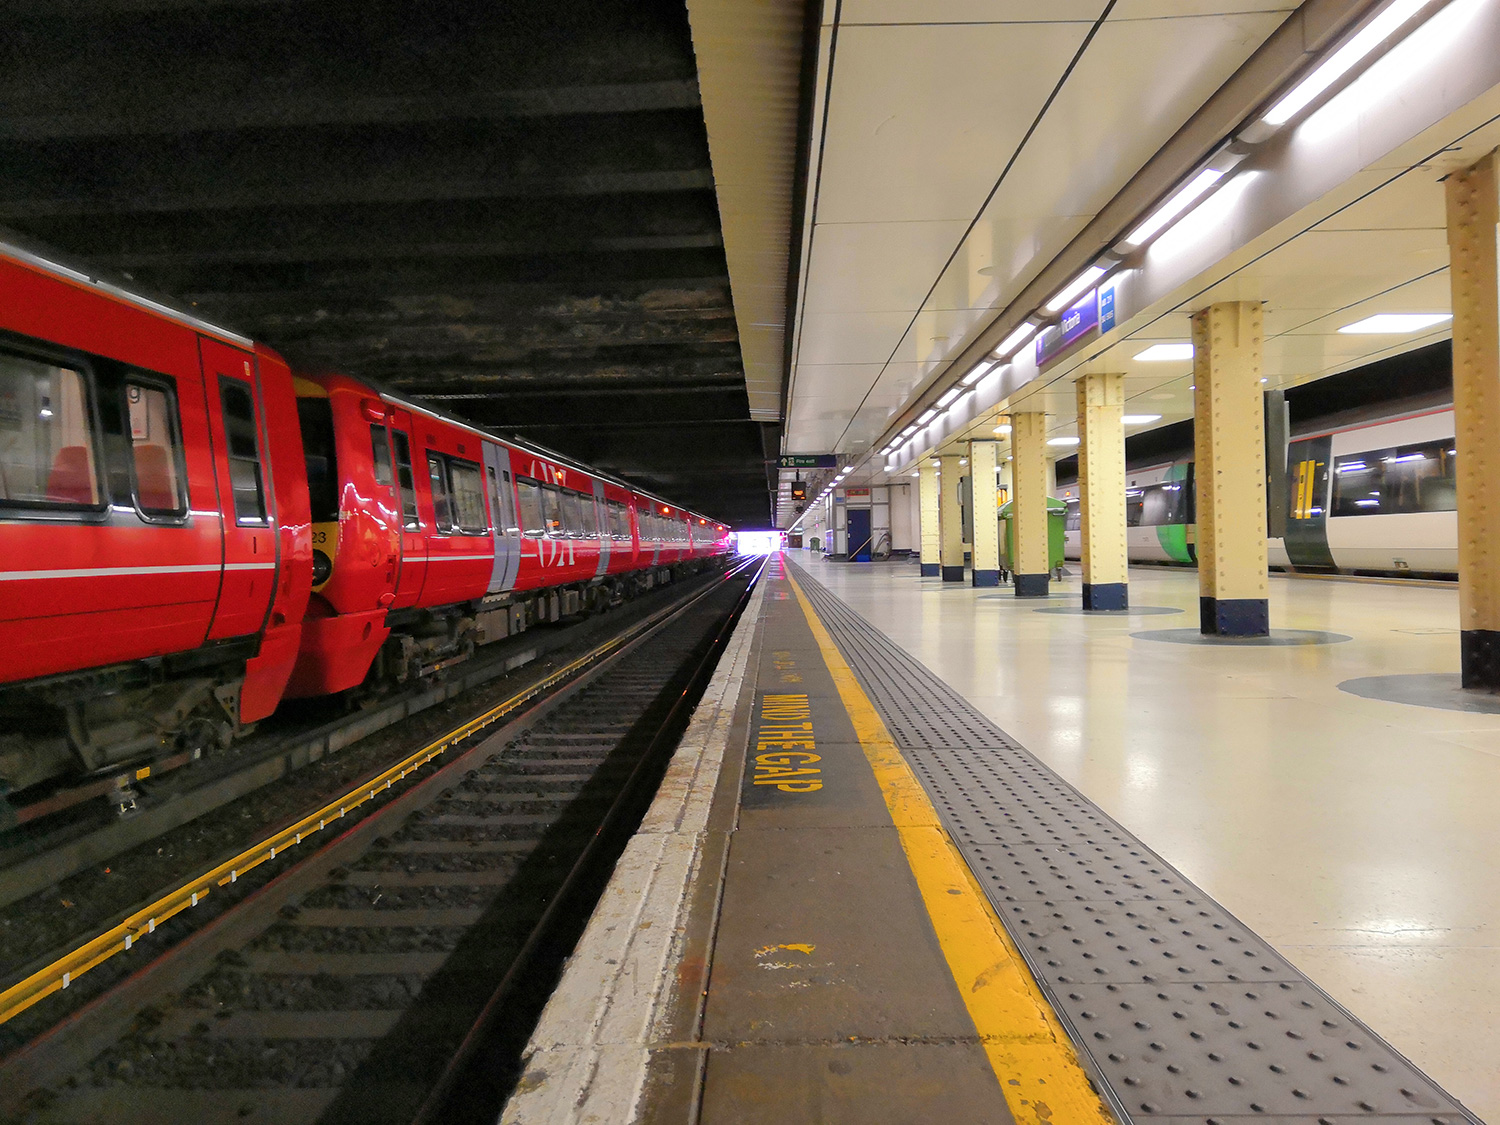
1278,637
1142,610
1011,597
1424,689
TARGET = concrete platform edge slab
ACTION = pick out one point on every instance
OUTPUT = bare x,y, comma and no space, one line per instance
590,1054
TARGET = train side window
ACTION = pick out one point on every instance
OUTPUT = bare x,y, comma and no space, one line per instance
245,480
155,450
1403,480
380,449
468,498
48,442
572,509
407,480
533,523
315,420
442,509
552,512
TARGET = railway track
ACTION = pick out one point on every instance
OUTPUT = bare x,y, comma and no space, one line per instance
374,978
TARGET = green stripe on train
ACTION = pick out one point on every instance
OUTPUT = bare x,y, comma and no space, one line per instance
1173,536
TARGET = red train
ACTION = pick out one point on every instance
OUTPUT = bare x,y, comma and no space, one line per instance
190,533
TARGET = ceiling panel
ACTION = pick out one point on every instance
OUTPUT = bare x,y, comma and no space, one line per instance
923,116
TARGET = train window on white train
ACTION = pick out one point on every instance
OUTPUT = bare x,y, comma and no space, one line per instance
47,436
155,450
406,480
533,523
442,513
468,498
245,480
1397,481
380,450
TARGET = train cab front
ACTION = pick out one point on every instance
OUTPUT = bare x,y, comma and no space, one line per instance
356,533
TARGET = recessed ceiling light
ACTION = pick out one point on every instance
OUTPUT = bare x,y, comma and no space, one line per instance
1163,353
963,460
1394,324
1062,441
1140,419
1002,429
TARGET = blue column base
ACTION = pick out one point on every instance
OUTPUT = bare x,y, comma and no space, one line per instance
1480,659
953,574
1106,595
929,570
1031,585
1234,617
985,577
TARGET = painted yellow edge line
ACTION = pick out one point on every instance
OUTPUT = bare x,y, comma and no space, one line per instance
61,973
1028,1049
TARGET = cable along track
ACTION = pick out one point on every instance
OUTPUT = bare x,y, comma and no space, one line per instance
344,988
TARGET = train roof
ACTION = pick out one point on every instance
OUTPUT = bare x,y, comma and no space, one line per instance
40,256
527,446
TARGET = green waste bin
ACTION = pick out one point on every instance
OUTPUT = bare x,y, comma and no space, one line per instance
1057,524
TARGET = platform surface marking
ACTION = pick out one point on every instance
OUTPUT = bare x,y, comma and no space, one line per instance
1040,1074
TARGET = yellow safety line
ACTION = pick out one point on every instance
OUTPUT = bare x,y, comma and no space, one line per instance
1028,1049
62,972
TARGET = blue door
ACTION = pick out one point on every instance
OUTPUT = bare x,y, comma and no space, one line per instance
859,534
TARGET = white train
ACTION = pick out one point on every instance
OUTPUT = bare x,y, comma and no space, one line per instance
1374,496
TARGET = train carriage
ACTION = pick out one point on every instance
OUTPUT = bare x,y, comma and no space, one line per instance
189,534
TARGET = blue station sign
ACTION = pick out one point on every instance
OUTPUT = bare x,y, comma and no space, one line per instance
1080,321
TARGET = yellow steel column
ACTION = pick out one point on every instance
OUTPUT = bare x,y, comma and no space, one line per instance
927,504
1230,468
1029,510
1101,488
1473,212
982,463
950,513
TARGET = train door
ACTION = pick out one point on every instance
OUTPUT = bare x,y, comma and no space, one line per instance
247,510
602,528
506,530
413,567
1307,484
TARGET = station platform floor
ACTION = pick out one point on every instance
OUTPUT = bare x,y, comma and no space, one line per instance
1042,866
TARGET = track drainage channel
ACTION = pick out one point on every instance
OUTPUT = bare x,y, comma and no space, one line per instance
378,978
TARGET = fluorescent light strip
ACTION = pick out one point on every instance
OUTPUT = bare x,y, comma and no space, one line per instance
948,396
1164,353
1086,280
978,372
1062,441
1139,419
1343,60
1173,207
1394,324
1022,333
926,416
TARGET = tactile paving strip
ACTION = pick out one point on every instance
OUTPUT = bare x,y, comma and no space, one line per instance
1182,1014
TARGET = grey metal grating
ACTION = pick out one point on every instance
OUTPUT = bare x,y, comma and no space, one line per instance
1180,1011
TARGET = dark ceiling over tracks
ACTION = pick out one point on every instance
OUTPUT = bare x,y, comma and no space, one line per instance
504,207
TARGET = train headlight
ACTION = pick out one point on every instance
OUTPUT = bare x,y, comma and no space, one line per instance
322,568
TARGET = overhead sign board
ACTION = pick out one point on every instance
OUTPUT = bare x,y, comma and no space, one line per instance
1079,322
808,461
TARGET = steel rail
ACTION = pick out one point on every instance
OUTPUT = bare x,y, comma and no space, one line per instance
437,1106
119,938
